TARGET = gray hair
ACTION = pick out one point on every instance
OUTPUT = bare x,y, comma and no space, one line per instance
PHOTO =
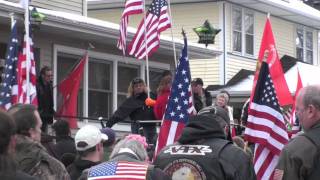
133,145
311,95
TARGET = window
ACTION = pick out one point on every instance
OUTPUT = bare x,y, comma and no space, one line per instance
304,45
100,88
242,31
65,64
125,74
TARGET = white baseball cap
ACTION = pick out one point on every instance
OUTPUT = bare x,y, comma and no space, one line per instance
88,136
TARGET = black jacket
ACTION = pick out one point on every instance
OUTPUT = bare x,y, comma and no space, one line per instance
64,145
75,169
203,152
198,105
45,101
135,108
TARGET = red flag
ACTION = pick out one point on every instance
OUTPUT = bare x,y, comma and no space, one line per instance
69,88
157,20
293,123
131,7
23,85
299,86
268,48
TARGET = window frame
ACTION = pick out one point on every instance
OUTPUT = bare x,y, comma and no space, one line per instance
244,12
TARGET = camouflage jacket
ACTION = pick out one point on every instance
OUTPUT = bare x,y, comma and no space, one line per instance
34,159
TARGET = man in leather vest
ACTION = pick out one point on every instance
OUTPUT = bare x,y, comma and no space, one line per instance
300,158
202,151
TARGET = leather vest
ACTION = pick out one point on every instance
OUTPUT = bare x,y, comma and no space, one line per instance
197,161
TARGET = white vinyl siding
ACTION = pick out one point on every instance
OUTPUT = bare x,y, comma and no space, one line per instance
236,63
70,6
207,69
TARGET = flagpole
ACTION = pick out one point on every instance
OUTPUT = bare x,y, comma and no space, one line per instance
173,43
146,46
12,19
26,24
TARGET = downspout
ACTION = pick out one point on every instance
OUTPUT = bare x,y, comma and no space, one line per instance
222,58
224,43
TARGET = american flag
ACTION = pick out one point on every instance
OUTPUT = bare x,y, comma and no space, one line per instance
266,126
157,20
131,7
23,85
8,86
179,105
118,170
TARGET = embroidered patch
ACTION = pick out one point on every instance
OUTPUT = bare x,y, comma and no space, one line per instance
189,150
185,169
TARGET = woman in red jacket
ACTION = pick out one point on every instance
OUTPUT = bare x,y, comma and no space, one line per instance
163,92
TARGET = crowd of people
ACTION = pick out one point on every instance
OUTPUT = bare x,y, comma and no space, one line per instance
205,149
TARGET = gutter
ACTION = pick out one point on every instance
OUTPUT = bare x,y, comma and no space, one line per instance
296,7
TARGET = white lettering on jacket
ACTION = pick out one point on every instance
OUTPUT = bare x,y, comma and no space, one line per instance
188,150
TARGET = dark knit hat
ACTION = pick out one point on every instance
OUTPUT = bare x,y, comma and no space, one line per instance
218,113
111,136
201,127
137,80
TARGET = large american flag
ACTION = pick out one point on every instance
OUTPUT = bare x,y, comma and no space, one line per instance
118,170
131,7
23,85
157,20
179,105
8,88
266,126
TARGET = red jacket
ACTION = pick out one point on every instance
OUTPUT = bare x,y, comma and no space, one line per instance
161,103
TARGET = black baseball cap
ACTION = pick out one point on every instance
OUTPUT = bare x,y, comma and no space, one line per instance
137,80
197,81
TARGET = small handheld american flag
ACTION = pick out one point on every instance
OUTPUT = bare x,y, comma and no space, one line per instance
118,170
